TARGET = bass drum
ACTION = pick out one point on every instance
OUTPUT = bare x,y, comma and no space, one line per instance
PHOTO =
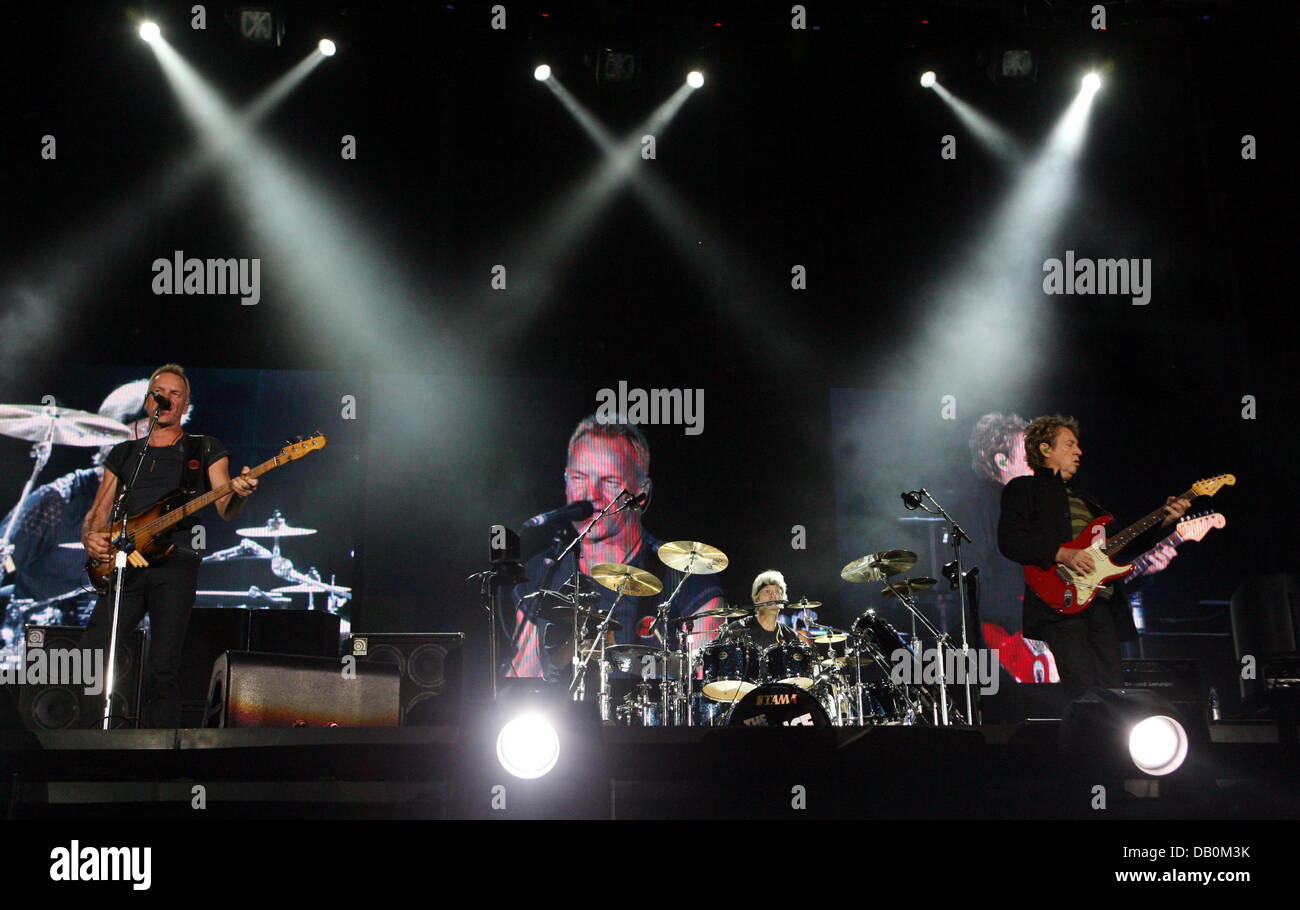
779,705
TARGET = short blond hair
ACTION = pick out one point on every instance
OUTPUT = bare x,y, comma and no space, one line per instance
765,578
176,370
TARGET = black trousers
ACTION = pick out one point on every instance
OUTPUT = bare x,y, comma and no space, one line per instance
166,592
1086,648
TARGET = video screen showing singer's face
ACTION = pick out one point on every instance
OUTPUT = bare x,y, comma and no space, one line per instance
599,469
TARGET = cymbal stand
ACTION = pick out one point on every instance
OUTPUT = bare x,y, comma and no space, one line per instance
661,622
940,640
580,669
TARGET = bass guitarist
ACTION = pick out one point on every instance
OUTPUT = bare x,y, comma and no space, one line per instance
1042,511
165,590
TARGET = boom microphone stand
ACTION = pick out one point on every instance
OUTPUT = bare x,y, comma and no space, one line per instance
124,544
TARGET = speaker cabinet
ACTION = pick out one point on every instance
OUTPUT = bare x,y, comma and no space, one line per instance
212,631
59,707
290,690
431,666
311,633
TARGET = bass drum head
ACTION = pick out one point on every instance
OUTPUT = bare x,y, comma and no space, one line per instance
779,705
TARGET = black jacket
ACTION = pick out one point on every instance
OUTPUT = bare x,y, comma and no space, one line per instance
1035,521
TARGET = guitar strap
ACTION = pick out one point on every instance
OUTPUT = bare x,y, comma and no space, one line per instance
193,476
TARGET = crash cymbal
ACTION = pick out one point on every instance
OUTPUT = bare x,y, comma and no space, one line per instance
275,526
910,586
878,566
693,557
64,426
566,615
626,579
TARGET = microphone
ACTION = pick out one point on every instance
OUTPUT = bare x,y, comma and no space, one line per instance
163,403
574,511
635,503
912,499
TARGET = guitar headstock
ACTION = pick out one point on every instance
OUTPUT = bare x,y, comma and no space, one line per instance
1196,527
1210,485
303,447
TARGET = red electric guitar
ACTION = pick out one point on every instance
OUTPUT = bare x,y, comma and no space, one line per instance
1067,591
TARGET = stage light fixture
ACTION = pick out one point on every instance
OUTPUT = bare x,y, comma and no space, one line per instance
927,79
259,25
695,79
149,31
1158,745
542,73
327,47
528,746
617,67
1092,82
1017,64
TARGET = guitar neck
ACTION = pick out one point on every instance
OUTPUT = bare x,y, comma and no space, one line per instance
1125,537
211,496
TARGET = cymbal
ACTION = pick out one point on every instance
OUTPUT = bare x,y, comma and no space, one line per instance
253,593
314,588
626,579
728,612
566,615
878,566
830,637
65,426
910,586
693,557
805,604
275,526
73,545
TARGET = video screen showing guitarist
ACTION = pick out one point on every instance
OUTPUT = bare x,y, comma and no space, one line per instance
165,589
1040,513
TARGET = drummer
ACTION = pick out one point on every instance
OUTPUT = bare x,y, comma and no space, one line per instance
769,595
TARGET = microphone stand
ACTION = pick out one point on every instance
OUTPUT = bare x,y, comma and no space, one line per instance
956,535
124,545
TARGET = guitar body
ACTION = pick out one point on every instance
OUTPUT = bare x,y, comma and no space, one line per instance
1067,591
144,543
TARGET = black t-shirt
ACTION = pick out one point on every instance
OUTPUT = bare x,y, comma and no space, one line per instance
757,634
161,474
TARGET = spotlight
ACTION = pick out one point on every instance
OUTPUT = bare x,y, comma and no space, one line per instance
326,47
927,79
1158,745
528,746
695,79
150,32
542,73
1091,82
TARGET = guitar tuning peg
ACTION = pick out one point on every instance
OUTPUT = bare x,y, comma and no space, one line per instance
288,441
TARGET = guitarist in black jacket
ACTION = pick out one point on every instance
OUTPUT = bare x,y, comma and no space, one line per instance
1039,514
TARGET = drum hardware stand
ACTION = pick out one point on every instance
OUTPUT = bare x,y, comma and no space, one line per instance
661,621
956,535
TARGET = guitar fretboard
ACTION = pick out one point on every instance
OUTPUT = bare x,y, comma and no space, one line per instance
1125,537
199,502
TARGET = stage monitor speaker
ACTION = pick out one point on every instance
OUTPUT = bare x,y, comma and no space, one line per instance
64,706
289,690
431,666
212,631
311,633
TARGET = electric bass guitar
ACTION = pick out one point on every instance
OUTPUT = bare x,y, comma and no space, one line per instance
140,541
1194,528
1067,591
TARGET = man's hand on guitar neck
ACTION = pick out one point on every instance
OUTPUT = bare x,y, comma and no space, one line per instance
1174,510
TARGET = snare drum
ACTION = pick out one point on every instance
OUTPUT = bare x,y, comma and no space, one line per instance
732,668
792,662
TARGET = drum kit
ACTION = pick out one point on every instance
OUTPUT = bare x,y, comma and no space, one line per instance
716,675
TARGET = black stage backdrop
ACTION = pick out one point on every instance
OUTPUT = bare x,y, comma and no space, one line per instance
814,148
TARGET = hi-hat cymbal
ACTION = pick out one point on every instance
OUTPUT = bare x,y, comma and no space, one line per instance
878,566
566,615
626,579
275,526
65,426
693,557
910,586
